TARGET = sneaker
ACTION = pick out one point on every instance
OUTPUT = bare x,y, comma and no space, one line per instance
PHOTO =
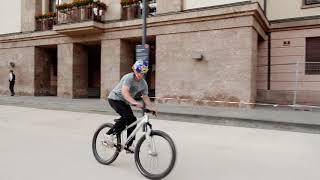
108,141
130,149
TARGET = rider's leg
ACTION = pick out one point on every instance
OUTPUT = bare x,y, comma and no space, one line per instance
121,124
127,117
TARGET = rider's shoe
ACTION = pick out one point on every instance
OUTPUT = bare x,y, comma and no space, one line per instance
108,141
130,149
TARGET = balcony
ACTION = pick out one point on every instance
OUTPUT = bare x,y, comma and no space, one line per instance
80,17
132,9
45,22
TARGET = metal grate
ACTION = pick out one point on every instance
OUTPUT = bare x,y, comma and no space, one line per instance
312,68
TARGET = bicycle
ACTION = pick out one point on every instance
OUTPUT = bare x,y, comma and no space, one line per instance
148,139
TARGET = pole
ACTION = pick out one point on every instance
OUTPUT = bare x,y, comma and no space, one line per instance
144,24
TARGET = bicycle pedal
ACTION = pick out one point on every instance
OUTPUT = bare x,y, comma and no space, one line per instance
128,150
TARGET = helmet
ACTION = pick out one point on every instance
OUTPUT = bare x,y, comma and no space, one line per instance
140,67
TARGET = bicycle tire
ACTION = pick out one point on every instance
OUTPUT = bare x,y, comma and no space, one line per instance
94,146
142,170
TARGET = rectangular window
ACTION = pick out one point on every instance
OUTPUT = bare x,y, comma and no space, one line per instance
313,56
310,2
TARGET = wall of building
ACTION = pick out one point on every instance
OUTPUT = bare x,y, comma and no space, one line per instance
287,78
23,58
10,17
29,9
114,9
293,9
191,4
224,74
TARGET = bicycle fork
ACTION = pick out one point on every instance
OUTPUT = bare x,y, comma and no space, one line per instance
150,142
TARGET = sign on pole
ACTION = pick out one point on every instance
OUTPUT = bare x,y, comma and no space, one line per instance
142,53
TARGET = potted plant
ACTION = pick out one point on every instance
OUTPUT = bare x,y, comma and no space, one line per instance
129,8
45,21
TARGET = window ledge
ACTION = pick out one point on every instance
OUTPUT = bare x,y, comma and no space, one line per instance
310,6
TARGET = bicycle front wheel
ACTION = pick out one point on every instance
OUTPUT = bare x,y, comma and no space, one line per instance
155,157
103,152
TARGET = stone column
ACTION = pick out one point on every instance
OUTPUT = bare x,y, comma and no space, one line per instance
72,70
110,65
169,6
116,61
29,9
65,70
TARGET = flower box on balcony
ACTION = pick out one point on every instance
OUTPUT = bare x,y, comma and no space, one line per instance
81,10
45,22
133,8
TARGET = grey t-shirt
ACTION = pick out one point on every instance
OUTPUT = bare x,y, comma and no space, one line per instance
134,86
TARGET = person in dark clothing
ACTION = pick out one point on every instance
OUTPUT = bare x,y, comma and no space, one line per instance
12,79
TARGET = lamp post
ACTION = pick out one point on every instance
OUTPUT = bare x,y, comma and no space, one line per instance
144,23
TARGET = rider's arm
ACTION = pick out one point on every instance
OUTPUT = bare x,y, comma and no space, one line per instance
148,103
125,93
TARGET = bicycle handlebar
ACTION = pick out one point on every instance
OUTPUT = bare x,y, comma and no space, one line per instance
145,110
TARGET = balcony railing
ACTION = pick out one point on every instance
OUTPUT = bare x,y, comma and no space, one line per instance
132,9
46,21
91,11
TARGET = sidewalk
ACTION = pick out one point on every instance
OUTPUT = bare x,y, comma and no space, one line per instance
263,116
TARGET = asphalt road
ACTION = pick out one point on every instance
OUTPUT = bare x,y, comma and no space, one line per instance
40,144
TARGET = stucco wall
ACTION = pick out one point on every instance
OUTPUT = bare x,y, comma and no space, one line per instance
225,73
293,9
288,78
191,4
10,17
24,70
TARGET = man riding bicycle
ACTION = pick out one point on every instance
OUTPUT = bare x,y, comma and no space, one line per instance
123,95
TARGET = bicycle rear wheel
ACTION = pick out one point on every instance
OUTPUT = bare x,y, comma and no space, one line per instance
103,153
155,158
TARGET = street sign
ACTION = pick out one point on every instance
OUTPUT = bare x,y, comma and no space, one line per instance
142,53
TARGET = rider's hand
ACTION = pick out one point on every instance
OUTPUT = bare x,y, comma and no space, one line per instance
154,110
139,105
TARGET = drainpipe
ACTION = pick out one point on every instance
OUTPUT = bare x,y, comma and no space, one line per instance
269,60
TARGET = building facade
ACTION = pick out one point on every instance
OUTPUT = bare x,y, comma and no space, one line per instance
201,52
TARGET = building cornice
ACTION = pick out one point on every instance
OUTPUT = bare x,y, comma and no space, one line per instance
295,23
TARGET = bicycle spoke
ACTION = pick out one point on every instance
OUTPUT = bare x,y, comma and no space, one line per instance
155,155
104,150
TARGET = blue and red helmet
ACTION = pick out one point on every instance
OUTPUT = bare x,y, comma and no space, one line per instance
141,67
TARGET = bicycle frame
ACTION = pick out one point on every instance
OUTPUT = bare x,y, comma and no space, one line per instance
140,122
